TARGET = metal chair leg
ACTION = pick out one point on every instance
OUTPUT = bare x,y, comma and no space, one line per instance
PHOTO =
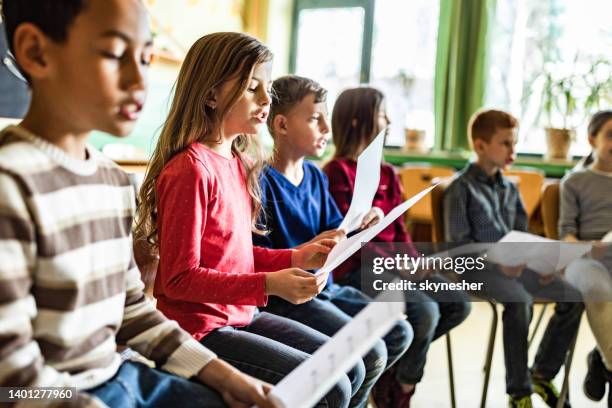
451,373
568,365
537,325
489,356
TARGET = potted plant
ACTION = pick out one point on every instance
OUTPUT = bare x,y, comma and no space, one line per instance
568,98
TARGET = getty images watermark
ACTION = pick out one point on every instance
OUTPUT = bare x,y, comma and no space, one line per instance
555,271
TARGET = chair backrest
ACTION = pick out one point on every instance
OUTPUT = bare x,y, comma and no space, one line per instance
550,209
416,178
529,183
437,209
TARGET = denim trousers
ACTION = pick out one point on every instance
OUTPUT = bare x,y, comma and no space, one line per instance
432,315
137,385
271,346
330,311
516,296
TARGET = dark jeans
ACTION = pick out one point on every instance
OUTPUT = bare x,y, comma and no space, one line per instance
330,311
516,317
431,315
137,385
270,347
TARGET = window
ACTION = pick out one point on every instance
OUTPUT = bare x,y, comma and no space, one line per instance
390,44
563,37
403,64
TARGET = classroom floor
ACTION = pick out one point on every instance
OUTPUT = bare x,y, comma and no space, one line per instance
469,346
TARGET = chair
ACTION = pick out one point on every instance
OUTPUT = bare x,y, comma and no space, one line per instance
550,209
416,178
550,218
438,236
529,183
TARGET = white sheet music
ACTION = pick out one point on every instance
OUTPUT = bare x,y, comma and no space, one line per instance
544,259
344,249
312,379
366,183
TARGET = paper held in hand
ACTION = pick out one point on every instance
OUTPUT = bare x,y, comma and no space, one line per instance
542,255
366,183
345,248
312,379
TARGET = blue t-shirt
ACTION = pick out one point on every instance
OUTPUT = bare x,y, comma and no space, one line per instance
296,214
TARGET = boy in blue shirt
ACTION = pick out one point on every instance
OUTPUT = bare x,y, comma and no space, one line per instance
481,205
299,209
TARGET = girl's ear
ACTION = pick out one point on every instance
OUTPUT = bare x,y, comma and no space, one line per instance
211,99
354,122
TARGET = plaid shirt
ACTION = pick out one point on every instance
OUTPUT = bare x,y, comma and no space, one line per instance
479,208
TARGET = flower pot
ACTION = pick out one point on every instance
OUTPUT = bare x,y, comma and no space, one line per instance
415,140
558,142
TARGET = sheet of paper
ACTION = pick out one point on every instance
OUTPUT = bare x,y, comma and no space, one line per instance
344,249
366,183
607,237
312,379
547,258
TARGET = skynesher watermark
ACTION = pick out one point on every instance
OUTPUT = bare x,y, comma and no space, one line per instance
426,285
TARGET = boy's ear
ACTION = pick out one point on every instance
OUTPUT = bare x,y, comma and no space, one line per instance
279,124
32,50
211,100
479,145
592,141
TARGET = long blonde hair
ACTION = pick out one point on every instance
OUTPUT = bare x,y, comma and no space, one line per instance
212,60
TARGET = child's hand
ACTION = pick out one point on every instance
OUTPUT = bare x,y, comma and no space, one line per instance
372,218
546,279
335,234
512,271
599,249
312,256
237,389
293,284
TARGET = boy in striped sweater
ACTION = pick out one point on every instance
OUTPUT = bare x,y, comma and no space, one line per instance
70,290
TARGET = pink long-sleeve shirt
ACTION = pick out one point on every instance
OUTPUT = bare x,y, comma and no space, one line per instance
209,274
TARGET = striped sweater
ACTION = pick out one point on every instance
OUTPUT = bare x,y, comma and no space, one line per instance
69,287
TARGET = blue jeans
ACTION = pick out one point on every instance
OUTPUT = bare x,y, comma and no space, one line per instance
270,347
137,385
330,311
516,317
431,315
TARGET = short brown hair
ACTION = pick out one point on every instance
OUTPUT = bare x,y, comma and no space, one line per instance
484,123
288,91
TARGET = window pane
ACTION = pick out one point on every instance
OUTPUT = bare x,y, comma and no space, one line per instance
403,63
329,47
531,37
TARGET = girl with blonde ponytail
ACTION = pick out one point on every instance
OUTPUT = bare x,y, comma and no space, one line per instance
198,206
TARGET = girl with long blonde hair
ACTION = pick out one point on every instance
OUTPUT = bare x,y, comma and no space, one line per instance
198,207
